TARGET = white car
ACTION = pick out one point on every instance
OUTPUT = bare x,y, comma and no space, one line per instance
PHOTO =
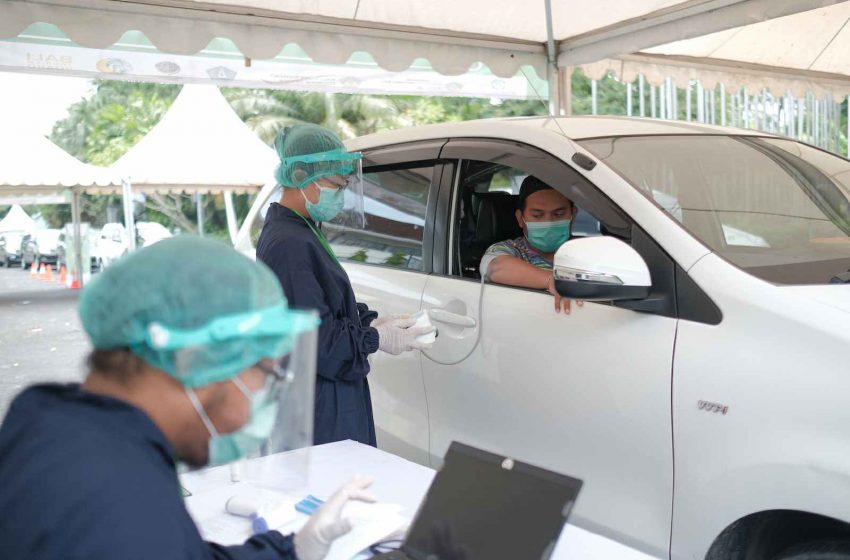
114,242
706,413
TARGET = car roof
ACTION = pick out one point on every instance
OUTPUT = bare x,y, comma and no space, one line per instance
575,128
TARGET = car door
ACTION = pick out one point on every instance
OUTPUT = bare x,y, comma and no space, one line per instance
388,261
587,394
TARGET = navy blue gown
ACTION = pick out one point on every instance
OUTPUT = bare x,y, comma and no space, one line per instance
88,477
312,279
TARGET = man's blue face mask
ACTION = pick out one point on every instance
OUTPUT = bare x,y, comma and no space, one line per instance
548,236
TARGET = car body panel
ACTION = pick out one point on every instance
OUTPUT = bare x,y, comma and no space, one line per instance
513,397
774,444
398,394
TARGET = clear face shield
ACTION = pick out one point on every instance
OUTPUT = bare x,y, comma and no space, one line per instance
287,397
274,351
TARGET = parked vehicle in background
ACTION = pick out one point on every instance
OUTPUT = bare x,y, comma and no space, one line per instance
113,241
730,369
10,248
148,233
40,247
110,244
65,250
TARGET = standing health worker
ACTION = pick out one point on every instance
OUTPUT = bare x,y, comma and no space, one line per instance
320,178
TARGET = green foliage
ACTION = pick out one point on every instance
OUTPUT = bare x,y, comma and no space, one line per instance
359,256
396,259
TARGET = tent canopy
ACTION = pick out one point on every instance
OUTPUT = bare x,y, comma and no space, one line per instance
799,53
502,34
200,145
33,164
16,219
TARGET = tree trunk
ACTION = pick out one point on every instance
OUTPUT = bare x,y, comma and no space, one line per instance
160,203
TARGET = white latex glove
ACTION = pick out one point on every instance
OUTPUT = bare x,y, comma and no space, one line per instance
395,340
314,539
400,320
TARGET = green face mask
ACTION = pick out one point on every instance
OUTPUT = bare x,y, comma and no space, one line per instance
548,236
226,448
331,202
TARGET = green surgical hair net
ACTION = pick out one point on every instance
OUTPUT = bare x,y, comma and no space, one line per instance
185,283
294,145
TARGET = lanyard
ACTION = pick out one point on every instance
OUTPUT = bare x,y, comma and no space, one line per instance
322,239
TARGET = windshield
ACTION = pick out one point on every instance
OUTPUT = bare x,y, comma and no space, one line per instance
776,208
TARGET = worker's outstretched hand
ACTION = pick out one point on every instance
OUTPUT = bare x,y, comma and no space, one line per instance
314,539
400,320
395,340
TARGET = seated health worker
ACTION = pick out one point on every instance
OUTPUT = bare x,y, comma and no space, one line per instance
545,216
186,336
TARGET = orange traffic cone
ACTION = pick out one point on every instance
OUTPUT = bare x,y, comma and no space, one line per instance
75,284
63,274
42,272
33,270
49,274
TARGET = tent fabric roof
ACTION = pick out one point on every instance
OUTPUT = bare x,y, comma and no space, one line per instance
200,145
16,219
799,53
34,164
451,35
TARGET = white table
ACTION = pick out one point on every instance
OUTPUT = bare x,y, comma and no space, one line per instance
396,481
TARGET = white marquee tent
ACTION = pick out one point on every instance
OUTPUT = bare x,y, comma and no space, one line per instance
199,146
16,219
32,164
453,36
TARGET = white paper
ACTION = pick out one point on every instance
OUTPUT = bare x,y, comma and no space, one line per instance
371,523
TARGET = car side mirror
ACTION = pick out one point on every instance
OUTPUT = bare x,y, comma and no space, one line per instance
601,269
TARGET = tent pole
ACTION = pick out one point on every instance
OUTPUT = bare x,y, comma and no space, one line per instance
566,90
641,95
129,220
200,207
78,241
593,99
554,74
230,211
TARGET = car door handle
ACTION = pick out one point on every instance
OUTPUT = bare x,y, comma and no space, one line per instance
443,316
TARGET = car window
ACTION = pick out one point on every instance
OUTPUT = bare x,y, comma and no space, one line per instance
395,203
484,213
776,208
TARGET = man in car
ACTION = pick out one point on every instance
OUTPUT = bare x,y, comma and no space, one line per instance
545,216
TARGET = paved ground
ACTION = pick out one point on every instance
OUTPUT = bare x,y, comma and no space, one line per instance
40,334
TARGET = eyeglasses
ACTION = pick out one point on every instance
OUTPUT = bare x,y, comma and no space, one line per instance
339,182
277,376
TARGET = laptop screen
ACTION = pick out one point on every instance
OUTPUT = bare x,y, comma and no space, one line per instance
482,505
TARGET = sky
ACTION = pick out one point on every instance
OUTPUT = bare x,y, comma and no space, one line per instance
38,101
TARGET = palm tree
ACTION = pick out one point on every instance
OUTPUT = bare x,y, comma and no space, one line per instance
267,111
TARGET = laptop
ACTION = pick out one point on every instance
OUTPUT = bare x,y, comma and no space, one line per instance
483,506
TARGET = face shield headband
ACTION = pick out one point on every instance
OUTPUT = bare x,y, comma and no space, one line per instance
302,170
